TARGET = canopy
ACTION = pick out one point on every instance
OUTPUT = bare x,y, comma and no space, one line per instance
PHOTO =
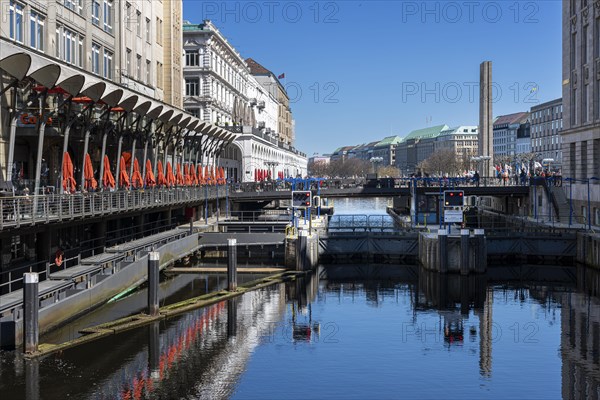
123,177
68,182
149,178
170,177
108,180
160,175
88,173
136,179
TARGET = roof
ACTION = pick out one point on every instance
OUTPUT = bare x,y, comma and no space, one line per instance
256,68
425,133
341,149
510,119
389,141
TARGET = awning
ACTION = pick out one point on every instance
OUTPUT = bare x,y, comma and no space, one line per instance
44,72
166,114
70,80
129,103
143,107
14,61
176,118
185,121
155,110
93,88
112,95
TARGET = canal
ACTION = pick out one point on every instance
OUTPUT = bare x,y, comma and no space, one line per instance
349,332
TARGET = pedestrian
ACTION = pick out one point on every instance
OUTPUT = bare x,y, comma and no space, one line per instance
476,178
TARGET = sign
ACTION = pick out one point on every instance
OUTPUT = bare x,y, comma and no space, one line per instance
454,198
301,198
453,216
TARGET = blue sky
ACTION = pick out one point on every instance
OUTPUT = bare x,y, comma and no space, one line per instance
357,71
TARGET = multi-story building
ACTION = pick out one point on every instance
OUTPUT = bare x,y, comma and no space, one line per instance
581,102
416,147
386,149
224,89
546,127
462,140
271,83
506,131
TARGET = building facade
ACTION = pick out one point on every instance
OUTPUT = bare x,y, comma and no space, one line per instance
546,129
223,88
386,149
505,133
581,105
417,146
462,141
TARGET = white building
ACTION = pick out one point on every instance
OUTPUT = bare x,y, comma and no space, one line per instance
220,89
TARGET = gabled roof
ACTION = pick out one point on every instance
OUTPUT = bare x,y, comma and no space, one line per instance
425,133
389,141
510,119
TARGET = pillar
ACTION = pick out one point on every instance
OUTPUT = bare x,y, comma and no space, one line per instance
231,264
153,280
31,307
464,252
480,251
443,251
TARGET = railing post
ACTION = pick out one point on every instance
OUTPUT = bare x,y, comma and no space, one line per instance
30,312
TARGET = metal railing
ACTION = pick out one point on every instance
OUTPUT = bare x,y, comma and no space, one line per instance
19,210
259,216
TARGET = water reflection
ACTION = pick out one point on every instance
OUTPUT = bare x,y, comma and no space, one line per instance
359,332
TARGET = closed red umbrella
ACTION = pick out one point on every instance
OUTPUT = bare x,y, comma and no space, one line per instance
150,181
193,176
108,180
206,175
179,177
201,180
160,175
136,179
170,177
68,182
123,177
88,173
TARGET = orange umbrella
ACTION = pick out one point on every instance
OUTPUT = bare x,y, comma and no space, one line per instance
150,181
200,175
108,180
212,175
179,176
88,173
187,179
206,175
123,177
136,179
193,176
170,176
68,182
160,176
127,156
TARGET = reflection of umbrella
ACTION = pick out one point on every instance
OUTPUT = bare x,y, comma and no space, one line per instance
136,178
179,176
123,177
88,173
150,181
170,177
68,182
108,180
200,175
160,175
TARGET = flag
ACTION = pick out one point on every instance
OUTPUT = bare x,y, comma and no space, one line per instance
281,76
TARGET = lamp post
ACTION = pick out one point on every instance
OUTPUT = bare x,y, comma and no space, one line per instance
375,161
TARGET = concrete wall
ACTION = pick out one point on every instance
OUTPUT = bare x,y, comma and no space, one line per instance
588,249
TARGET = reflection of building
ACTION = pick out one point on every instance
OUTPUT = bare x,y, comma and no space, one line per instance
580,346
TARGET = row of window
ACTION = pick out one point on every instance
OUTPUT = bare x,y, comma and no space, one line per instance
139,23
139,74
546,141
547,126
547,112
34,37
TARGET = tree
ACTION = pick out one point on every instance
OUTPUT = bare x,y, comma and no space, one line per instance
441,162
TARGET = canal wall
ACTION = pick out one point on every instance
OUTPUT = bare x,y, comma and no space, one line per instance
465,253
588,249
82,299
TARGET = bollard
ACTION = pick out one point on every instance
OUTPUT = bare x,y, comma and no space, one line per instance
191,226
31,305
301,250
481,251
153,280
464,252
231,264
443,251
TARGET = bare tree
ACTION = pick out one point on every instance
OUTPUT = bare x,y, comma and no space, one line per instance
441,162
